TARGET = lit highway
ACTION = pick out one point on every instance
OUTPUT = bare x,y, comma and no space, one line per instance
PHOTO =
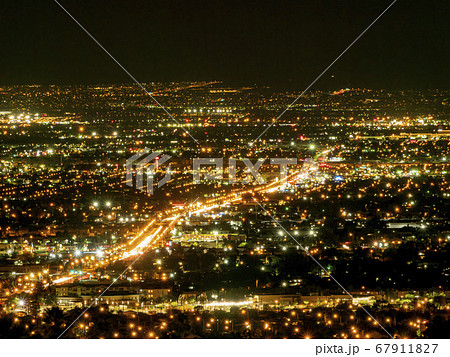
157,229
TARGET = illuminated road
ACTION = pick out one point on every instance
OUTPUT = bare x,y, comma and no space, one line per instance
158,228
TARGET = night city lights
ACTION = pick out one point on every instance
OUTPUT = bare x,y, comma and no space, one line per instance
226,170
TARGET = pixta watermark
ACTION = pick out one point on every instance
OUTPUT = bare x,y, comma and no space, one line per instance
148,163
204,169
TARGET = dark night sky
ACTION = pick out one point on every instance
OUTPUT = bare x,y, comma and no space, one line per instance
286,43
